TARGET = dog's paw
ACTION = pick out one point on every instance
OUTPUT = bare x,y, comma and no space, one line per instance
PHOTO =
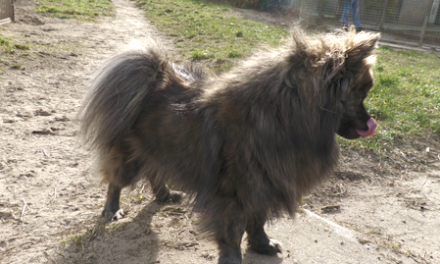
271,248
113,216
176,196
172,197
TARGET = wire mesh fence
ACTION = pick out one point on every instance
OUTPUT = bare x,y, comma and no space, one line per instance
412,22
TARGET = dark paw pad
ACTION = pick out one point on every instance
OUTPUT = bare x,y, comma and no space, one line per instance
113,216
271,248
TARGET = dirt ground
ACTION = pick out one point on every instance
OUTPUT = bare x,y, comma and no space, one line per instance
51,200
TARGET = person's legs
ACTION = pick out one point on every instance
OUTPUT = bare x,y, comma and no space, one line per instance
345,13
355,13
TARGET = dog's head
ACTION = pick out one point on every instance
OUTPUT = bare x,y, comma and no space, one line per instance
337,67
358,80
356,121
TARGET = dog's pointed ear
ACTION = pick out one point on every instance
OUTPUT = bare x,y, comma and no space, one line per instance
359,49
299,43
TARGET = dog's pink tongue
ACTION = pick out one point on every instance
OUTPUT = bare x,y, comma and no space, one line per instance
372,125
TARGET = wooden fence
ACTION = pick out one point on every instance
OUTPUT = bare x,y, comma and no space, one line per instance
6,11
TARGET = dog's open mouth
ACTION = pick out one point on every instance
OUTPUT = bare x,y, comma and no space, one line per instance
372,125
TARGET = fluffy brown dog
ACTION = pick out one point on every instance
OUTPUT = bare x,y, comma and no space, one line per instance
248,143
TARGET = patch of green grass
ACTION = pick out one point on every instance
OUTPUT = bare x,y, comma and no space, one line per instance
200,55
405,99
73,239
9,46
79,9
6,45
208,31
16,66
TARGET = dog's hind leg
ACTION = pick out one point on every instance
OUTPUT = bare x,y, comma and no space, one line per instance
163,193
258,239
118,173
111,209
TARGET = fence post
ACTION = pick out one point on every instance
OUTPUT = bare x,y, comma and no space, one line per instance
384,12
12,11
425,22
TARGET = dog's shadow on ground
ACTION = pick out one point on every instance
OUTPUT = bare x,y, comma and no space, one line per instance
124,241
250,257
130,240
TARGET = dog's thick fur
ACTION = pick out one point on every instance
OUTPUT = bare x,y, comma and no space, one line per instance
248,143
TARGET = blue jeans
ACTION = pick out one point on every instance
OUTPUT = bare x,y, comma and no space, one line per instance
351,5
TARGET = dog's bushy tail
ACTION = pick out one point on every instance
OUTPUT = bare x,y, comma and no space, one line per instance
117,96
